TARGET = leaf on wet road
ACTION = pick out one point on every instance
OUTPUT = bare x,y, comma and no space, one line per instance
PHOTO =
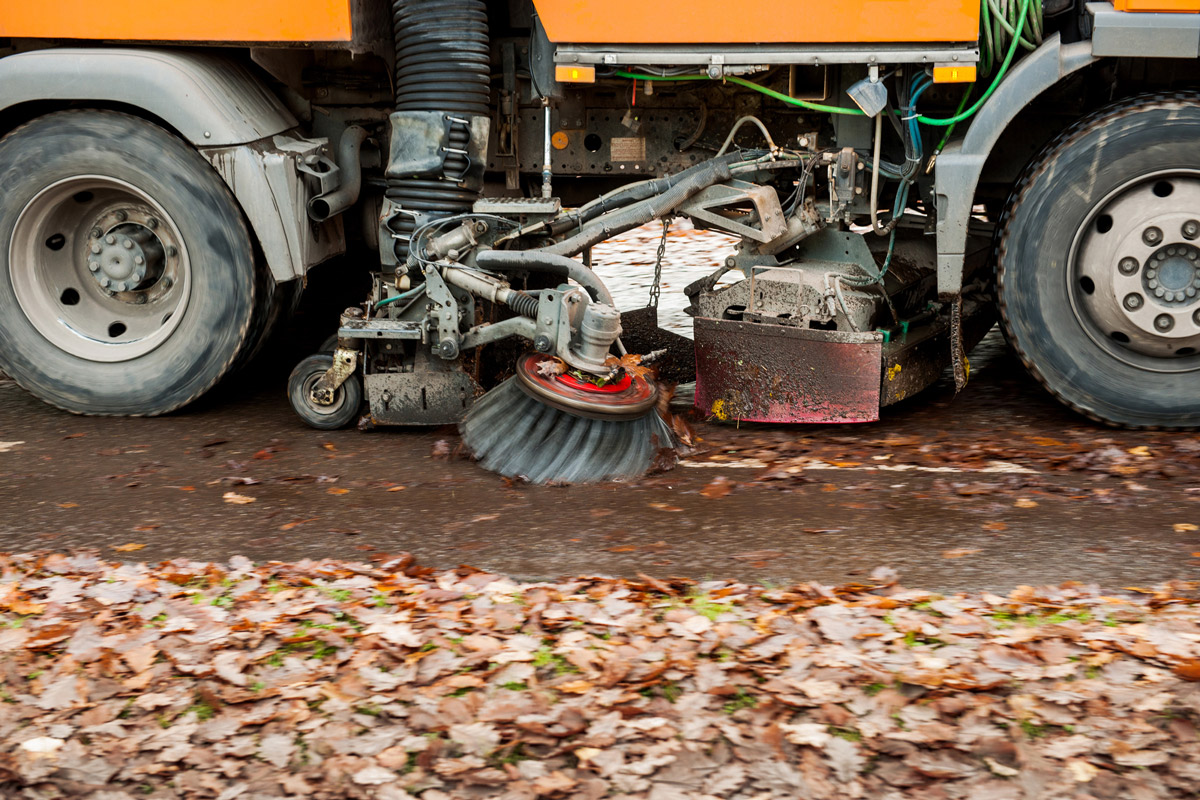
238,499
959,552
128,547
719,487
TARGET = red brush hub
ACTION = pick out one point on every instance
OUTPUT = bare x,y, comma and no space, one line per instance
629,397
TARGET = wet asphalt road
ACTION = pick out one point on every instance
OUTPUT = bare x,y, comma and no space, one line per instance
918,491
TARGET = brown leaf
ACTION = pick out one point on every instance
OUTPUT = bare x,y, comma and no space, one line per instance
128,548
296,523
551,366
665,507
718,488
337,490
995,526
758,555
238,499
959,552
1188,670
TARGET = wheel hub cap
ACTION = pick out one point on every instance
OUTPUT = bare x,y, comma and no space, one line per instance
1136,273
99,268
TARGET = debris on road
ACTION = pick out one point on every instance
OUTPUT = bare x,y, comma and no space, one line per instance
326,679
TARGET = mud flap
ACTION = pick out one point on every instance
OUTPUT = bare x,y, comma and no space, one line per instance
774,373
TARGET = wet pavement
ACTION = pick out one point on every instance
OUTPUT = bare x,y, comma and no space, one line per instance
996,487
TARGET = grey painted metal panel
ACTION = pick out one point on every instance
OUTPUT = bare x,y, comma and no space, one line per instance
960,164
1124,33
209,100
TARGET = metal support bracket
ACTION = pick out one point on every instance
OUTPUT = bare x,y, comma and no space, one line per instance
711,206
345,361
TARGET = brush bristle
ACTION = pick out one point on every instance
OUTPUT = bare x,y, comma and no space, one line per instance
513,434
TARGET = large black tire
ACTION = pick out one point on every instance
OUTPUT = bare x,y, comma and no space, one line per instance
193,215
1071,318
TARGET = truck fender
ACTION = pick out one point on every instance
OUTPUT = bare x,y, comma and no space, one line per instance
221,108
961,163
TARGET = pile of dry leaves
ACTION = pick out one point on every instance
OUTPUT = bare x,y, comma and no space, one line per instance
341,680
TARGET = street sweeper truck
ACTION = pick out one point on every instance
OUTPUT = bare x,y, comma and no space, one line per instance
898,175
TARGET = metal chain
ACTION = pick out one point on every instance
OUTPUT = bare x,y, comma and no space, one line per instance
656,288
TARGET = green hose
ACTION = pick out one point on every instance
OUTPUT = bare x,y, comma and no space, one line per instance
387,301
993,26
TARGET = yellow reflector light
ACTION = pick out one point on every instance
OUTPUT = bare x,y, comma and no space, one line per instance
565,73
954,73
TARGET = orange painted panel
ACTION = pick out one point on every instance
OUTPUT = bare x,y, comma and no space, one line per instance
759,21
1157,5
180,21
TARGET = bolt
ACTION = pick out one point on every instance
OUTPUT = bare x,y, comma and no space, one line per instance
127,244
1191,229
97,233
110,239
95,248
1152,235
167,282
1128,266
1191,291
731,262
139,299
542,344
1164,322
94,266
105,282
121,216
1159,291
139,260
1133,301
1152,283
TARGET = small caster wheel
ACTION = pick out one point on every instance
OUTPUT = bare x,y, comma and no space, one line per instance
346,400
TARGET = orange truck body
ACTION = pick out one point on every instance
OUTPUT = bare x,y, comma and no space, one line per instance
210,21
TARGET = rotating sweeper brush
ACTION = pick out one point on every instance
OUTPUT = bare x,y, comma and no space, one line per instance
550,426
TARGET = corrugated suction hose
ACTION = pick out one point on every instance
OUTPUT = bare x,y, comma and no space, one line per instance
443,64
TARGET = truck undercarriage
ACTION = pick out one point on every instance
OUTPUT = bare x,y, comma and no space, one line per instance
469,155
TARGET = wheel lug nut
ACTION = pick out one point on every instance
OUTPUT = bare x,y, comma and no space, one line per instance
1164,322
1133,301
152,223
167,283
139,260
94,266
105,282
1159,292
127,244
95,248
1152,235
172,251
1128,266
1152,283
1151,273
121,216
1191,229
110,239
1191,291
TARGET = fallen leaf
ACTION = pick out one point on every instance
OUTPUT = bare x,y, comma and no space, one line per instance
296,523
329,446
238,499
337,490
1025,502
128,548
68,505
1141,450
959,552
995,526
397,488
665,507
1185,527
142,528
719,487
758,555
1081,771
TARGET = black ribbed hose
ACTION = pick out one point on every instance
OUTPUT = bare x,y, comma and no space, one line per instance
443,63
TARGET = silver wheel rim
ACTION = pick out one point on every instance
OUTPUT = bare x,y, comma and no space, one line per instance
1134,273
99,268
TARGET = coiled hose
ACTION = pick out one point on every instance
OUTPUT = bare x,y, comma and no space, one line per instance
443,63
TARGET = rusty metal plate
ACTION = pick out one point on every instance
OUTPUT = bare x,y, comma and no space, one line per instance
772,373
